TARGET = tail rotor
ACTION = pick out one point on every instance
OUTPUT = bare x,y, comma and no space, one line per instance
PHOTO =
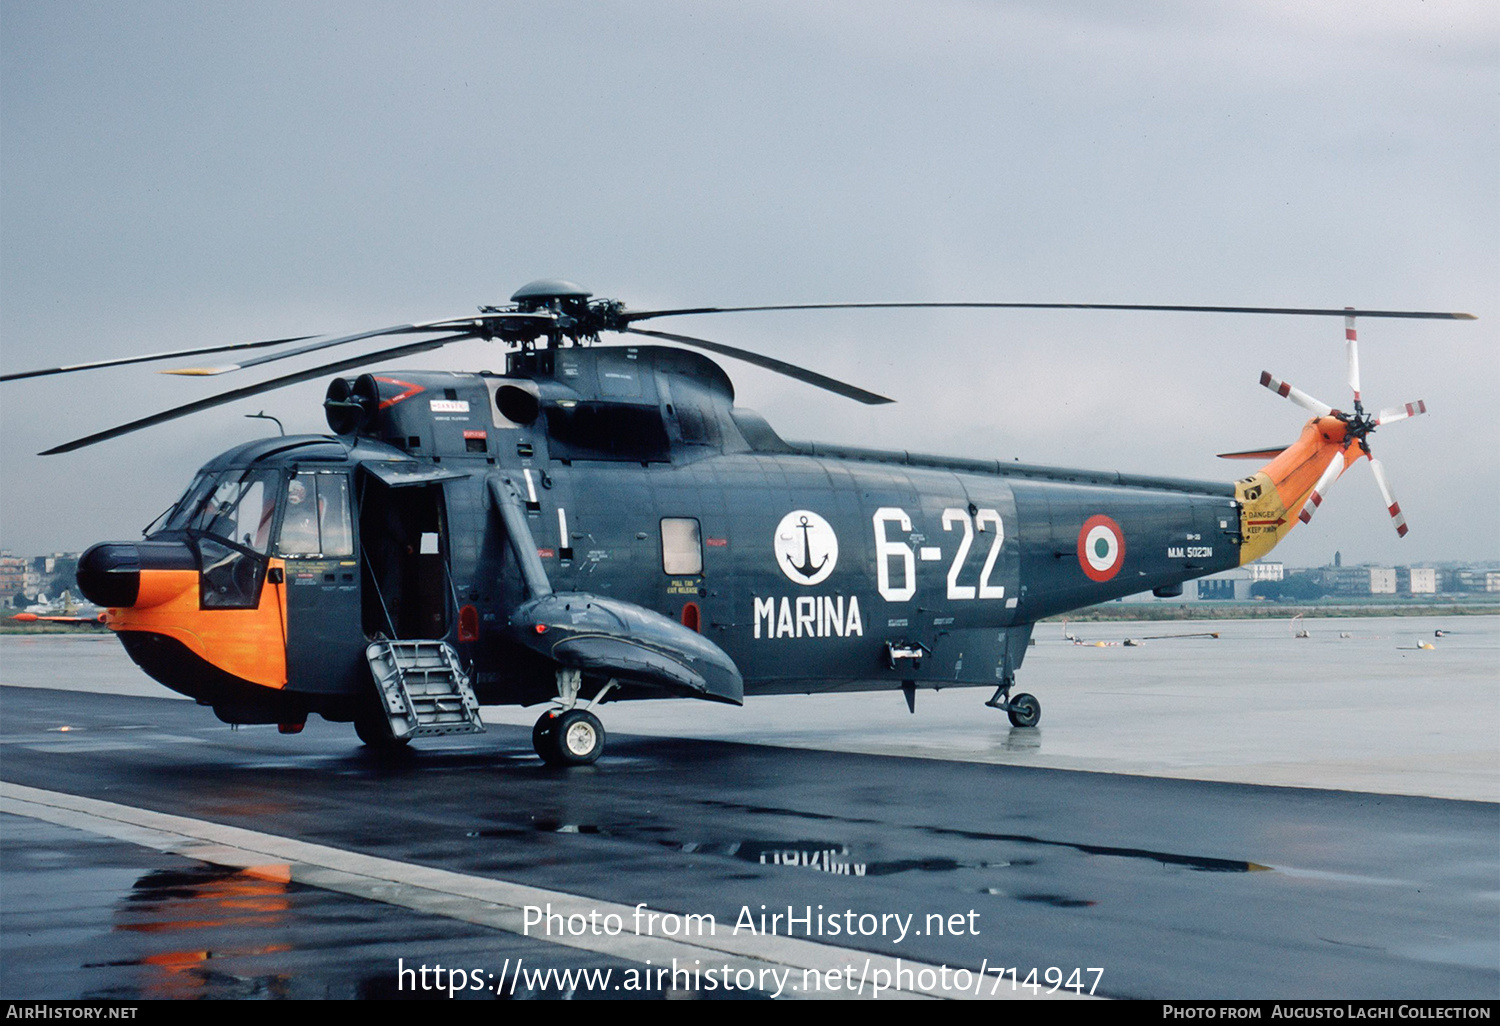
1358,426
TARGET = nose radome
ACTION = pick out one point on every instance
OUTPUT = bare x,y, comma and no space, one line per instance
109,574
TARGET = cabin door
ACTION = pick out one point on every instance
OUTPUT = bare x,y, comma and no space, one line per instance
403,545
325,647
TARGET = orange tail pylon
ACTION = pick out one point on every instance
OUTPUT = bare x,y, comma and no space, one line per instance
1291,485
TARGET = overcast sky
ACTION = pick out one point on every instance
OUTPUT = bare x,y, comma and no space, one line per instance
184,174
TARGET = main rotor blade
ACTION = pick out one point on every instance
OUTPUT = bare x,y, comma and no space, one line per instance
1320,490
769,363
249,390
642,315
470,325
1398,519
175,354
1295,394
1395,413
310,347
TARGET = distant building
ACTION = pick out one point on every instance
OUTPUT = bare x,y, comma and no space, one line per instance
1468,579
12,575
1262,571
1215,589
1348,580
33,575
1416,580
1352,581
1227,585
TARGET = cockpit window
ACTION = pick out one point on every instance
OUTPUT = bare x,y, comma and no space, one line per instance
176,518
317,521
236,505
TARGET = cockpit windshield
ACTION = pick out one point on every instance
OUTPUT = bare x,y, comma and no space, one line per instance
235,505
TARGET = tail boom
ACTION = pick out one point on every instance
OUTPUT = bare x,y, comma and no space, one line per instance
1272,499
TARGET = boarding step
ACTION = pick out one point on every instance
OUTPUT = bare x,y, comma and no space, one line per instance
423,689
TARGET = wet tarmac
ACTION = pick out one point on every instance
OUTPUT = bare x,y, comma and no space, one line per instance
89,917
1171,887
1355,706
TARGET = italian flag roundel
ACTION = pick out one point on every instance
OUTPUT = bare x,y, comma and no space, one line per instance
1101,547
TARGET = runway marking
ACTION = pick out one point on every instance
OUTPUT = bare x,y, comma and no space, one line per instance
481,900
101,741
80,740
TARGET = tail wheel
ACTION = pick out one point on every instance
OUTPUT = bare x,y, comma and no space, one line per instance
574,737
1024,711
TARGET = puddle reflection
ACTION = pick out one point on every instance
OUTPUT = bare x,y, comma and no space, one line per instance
191,909
836,857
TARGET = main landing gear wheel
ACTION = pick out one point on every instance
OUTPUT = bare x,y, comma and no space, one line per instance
1024,711
572,737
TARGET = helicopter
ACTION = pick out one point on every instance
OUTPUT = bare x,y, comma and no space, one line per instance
603,523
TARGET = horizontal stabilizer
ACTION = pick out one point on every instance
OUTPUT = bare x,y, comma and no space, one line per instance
1253,454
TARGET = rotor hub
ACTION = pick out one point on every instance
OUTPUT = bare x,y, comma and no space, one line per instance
545,292
1358,426
560,310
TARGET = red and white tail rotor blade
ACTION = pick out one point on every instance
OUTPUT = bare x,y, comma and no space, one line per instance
1351,350
1391,505
1396,413
1296,395
1320,490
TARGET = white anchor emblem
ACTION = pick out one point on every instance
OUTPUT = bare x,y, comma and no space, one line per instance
806,547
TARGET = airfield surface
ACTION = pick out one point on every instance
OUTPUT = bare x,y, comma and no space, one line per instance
1249,816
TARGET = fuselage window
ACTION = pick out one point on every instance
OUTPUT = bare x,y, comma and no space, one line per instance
317,521
681,547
